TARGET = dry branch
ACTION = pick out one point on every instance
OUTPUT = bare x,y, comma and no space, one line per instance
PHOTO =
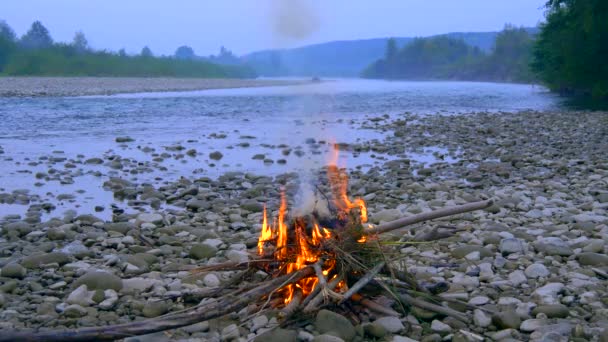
407,221
199,313
407,299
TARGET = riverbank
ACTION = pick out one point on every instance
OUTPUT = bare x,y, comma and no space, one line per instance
531,267
84,86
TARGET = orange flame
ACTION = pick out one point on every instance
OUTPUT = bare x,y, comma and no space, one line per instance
300,250
266,234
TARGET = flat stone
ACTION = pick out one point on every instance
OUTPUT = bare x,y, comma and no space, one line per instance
202,251
553,246
81,296
552,310
231,333
536,271
37,260
155,308
462,251
440,327
547,294
99,280
506,320
150,218
592,259
13,270
334,324
74,311
277,335
531,325
511,245
390,323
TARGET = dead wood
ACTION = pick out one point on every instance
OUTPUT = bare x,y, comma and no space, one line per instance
199,313
431,215
407,299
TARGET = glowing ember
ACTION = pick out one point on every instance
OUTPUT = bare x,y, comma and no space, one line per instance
294,249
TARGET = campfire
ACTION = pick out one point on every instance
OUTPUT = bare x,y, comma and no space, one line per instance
322,257
308,239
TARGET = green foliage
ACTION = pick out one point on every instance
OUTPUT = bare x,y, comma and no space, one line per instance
37,37
146,52
443,57
36,55
571,51
185,52
64,60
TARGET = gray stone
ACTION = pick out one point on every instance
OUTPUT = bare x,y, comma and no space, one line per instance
74,311
277,335
391,323
150,218
253,206
35,261
553,246
202,251
81,296
211,280
506,320
511,245
231,333
13,270
552,310
375,330
217,155
121,227
531,325
536,271
592,259
517,278
481,319
155,308
99,280
462,251
440,327
334,324
547,294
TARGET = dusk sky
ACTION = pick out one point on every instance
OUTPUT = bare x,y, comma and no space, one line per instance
247,25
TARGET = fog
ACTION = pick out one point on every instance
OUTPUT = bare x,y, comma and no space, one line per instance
246,25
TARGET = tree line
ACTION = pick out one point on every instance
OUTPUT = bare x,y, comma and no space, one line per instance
443,57
568,54
36,53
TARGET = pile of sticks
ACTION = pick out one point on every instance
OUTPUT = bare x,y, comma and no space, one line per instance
258,295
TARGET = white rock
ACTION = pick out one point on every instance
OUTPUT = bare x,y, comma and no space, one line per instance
237,256
440,327
485,271
110,299
479,300
138,284
230,333
213,242
517,278
150,218
211,280
259,322
530,325
548,293
536,271
81,296
391,324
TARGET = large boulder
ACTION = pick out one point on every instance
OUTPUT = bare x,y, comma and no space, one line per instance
99,280
331,323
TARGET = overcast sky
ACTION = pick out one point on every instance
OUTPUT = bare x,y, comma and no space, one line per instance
247,25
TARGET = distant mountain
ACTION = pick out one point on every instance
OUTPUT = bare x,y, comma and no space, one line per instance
344,58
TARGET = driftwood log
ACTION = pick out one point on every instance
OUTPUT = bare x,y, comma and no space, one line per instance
237,301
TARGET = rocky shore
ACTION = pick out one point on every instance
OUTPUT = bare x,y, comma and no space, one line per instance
533,266
84,86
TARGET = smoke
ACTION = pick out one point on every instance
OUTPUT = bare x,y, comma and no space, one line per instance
294,19
292,22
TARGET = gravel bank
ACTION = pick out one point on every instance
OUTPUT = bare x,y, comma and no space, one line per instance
532,267
82,86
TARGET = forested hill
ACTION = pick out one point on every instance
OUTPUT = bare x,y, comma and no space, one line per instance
343,58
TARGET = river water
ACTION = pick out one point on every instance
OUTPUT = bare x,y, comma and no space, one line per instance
54,136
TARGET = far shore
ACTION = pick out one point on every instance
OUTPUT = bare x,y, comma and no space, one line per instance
85,86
